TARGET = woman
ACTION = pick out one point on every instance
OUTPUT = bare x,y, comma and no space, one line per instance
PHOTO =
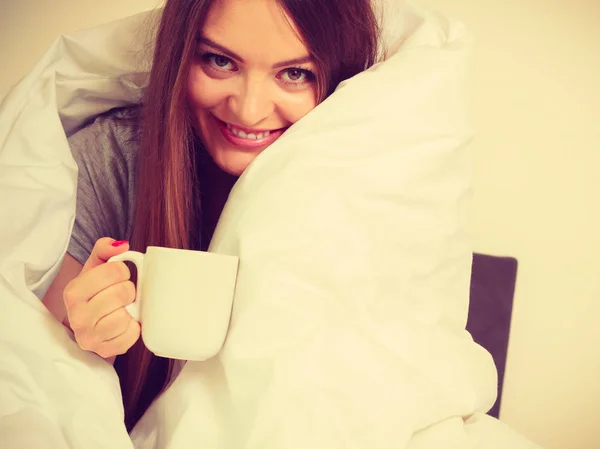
228,78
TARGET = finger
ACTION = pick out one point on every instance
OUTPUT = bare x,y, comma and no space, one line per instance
104,249
87,285
84,316
111,299
112,325
120,344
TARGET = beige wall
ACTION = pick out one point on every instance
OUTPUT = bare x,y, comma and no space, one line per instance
537,189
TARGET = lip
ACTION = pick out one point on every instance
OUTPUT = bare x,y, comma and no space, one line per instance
247,144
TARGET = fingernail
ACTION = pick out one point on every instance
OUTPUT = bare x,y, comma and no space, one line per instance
119,243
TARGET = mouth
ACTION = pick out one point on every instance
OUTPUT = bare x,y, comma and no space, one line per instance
248,139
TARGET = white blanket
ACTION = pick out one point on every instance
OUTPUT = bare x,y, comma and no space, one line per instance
348,323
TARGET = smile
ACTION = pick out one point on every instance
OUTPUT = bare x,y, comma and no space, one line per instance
256,135
248,139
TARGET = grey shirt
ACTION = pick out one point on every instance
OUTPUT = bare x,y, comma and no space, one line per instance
105,152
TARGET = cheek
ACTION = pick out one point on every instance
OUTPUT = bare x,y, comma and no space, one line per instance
204,92
298,105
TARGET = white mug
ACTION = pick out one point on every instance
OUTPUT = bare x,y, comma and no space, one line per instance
183,300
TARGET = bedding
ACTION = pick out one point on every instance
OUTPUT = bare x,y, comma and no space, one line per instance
348,328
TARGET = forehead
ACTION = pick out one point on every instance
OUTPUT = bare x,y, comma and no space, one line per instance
259,29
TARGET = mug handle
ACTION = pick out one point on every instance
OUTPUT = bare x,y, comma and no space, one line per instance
136,258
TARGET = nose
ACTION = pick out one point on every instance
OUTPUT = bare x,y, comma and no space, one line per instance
252,103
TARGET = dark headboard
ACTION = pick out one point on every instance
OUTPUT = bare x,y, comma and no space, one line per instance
492,289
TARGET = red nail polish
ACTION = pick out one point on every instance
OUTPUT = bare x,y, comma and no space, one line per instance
119,243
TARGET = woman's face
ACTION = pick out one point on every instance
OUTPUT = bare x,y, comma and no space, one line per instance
252,78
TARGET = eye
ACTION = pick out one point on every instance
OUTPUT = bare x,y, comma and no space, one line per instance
297,76
219,62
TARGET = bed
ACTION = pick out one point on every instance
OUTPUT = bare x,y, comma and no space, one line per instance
493,281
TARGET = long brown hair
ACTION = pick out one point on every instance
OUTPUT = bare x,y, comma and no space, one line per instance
341,35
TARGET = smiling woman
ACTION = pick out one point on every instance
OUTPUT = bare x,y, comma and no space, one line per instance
228,78
244,92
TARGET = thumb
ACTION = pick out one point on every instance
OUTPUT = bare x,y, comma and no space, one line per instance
104,249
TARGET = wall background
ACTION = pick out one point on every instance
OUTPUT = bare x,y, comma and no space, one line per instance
537,191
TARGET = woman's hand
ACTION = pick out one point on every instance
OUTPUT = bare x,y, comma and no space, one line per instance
95,302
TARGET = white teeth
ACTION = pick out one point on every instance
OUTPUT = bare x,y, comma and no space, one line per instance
250,136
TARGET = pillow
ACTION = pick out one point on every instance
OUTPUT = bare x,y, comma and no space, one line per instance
348,324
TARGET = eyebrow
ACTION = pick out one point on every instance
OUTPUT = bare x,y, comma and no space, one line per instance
229,53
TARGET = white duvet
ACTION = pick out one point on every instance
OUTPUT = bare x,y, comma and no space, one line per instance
348,323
